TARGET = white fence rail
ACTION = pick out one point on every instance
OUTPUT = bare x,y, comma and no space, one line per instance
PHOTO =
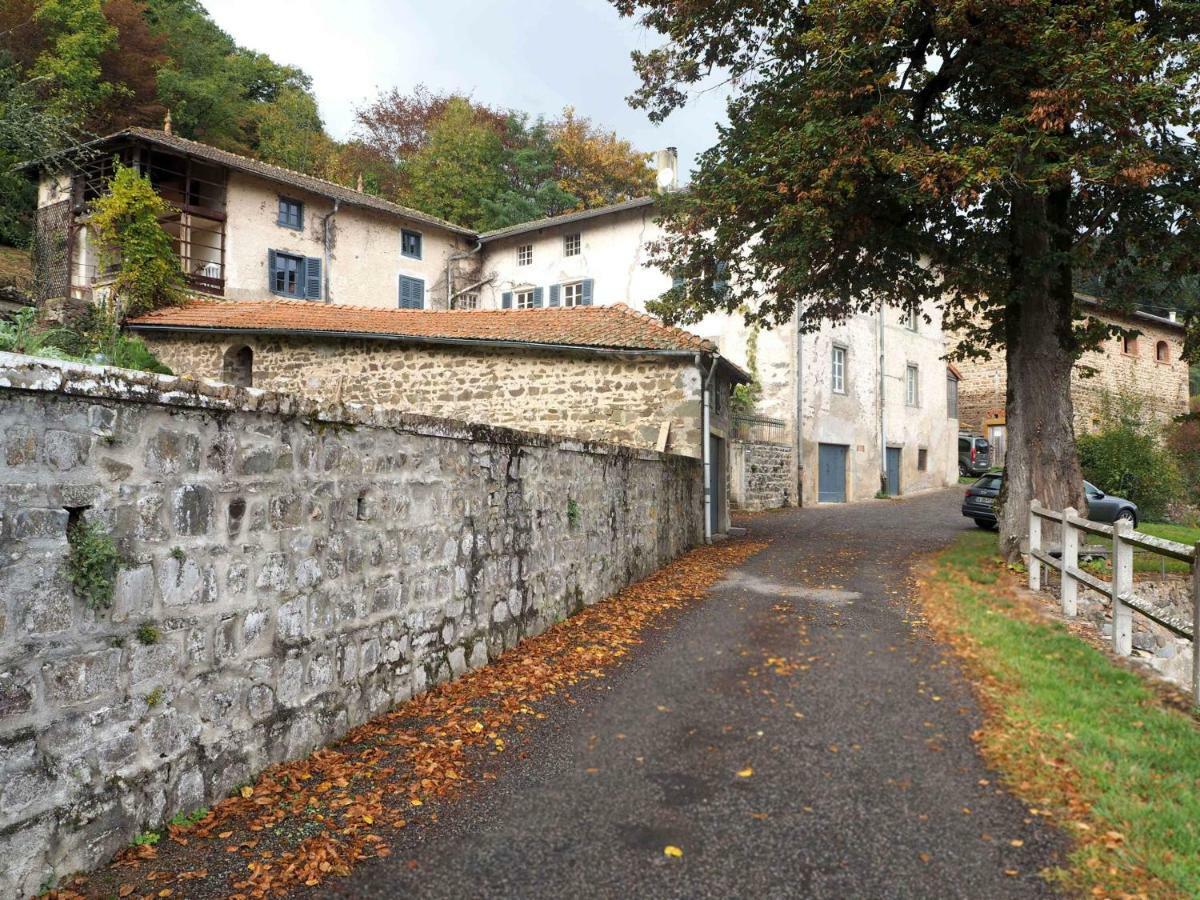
1120,591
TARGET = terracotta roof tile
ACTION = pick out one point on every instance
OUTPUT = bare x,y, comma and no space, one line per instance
599,327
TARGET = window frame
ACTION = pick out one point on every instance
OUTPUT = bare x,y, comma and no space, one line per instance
912,385
525,255
1129,345
1162,352
922,459
466,300
405,234
529,292
569,288
301,265
951,396
909,320
837,368
573,243
283,220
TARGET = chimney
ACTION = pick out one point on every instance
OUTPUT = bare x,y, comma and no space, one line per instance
1172,315
167,121
666,164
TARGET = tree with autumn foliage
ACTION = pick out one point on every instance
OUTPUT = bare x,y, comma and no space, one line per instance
977,155
597,166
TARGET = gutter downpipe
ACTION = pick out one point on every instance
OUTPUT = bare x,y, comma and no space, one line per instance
325,242
450,261
883,478
799,429
705,451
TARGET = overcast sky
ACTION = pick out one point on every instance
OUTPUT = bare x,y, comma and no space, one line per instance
532,55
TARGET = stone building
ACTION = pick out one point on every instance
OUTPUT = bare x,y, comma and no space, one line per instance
858,406
594,373
1147,367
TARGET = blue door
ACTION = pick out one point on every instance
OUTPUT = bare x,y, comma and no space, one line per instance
893,471
831,473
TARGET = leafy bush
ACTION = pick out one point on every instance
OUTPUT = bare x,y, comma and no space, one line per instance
98,341
92,564
1183,440
1128,458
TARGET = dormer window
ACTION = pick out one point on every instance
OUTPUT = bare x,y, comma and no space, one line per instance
291,214
572,244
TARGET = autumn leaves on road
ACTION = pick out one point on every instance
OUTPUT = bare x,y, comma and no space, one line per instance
304,821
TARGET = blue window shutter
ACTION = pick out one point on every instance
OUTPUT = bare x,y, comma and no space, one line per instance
271,271
537,296
555,294
312,278
418,293
412,293
587,292
506,300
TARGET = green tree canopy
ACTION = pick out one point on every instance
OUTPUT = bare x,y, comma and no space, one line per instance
972,154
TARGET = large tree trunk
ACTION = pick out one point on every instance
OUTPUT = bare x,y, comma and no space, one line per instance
1041,461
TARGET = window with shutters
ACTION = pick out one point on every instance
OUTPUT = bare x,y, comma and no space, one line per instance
412,292
951,396
525,255
525,299
838,370
572,243
291,213
572,294
287,276
410,243
912,386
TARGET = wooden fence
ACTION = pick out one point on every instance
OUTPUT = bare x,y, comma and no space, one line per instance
1120,591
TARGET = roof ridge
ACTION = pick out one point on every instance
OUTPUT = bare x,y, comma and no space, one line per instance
143,130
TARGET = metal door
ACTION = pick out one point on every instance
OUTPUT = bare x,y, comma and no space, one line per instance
831,473
893,471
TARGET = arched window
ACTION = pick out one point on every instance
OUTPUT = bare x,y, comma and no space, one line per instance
238,366
1129,344
1162,352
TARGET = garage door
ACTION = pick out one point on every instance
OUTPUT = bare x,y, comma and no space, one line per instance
831,473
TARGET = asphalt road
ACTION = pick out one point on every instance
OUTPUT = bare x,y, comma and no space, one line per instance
802,666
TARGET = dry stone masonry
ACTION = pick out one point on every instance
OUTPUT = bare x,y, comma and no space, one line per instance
287,570
760,475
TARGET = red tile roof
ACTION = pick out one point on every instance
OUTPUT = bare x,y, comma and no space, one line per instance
598,327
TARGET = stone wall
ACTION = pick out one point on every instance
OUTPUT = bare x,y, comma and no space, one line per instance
613,398
760,475
288,570
1109,371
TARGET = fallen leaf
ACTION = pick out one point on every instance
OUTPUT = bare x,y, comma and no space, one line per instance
247,791
745,773
672,851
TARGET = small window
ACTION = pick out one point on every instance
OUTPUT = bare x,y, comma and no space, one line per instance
287,275
951,397
291,213
1162,352
912,386
922,459
525,255
838,374
909,319
238,366
572,244
572,294
1129,345
410,244
412,293
525,299
469,300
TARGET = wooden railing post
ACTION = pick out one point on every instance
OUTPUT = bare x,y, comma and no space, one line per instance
1196,624
1122,584
1068,587
1035,543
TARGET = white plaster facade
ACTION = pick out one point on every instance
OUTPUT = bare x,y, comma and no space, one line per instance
613,255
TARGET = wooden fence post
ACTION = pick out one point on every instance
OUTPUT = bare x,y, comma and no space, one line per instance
1035,543
1196,624
1068,587
1122,583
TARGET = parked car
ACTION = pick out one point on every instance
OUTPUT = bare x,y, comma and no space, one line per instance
980,503
974,454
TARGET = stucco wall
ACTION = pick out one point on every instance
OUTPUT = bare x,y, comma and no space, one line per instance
1162,387
303,568
600,398
365,263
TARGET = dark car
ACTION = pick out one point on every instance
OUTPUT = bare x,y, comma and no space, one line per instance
974,454
980,503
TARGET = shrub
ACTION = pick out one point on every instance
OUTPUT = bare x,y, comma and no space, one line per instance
92,564
1183,440
1128,458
